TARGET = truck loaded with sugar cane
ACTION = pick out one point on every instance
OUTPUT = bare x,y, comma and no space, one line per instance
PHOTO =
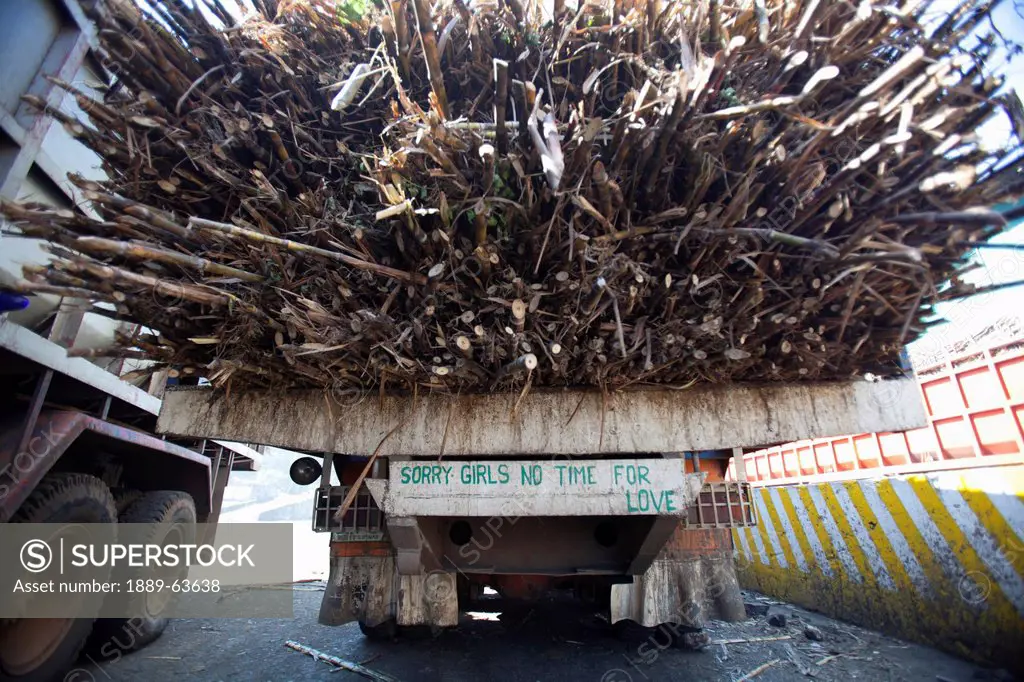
525,275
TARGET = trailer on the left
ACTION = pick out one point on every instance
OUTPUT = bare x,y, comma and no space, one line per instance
76,446
76,441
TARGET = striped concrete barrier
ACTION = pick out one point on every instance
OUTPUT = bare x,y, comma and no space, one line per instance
936,558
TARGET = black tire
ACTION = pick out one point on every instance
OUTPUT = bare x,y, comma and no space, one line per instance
682,636
621,629
59,498
384,632
468,593
166,510
124,498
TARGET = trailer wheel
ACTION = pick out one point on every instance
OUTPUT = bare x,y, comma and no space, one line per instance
173,518
41,649
383,632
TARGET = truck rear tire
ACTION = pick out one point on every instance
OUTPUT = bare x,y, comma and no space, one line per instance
38,649
382,632
683,637
173,515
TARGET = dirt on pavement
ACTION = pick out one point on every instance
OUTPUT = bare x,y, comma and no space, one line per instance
549,644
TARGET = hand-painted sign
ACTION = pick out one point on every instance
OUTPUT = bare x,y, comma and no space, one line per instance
560,487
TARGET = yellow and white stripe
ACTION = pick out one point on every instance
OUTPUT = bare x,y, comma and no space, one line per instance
936,558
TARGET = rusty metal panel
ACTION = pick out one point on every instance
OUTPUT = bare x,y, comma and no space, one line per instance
722,505
363,522
21,467
934,558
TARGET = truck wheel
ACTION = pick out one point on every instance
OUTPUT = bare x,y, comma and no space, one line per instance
383,632
124,498
684,637
43,649
621,629
173,518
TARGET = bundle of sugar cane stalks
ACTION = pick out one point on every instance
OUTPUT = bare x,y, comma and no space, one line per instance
481,196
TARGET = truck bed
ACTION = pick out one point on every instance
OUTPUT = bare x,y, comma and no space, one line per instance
546,422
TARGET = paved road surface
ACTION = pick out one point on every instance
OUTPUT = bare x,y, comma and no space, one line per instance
548,646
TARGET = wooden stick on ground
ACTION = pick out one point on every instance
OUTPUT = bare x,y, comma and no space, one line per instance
750,640
758,670
340,663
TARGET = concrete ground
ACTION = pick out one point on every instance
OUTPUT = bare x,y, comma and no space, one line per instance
549,645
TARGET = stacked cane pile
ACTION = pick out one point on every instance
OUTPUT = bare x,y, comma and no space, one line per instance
469,196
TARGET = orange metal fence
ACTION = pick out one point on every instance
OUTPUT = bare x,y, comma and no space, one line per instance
975,407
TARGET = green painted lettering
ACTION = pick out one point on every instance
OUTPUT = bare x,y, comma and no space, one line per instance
405,475
466,474
531,475
503,473
561,473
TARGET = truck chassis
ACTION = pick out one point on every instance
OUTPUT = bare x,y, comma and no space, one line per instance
618,498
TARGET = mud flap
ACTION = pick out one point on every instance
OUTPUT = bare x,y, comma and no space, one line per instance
368,589
692,580
429,599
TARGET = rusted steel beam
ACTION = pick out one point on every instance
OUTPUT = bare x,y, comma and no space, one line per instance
54,431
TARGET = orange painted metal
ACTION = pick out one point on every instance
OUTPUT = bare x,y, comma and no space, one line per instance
688,543
975,408
714,468
351,549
